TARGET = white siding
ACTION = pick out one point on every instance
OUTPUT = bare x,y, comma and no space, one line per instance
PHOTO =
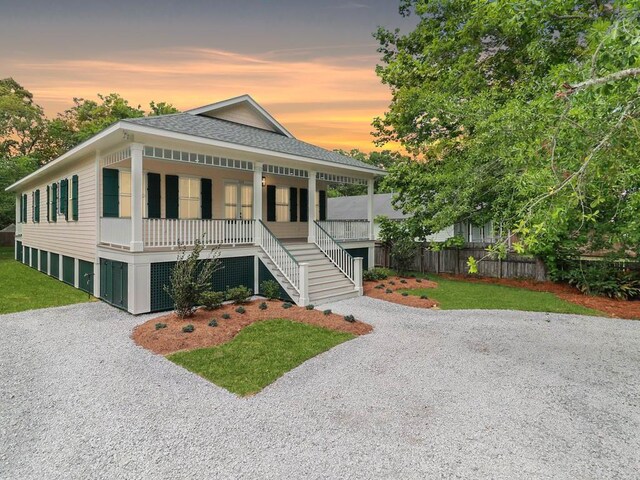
67,237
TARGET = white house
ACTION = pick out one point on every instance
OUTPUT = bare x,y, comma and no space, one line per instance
108,215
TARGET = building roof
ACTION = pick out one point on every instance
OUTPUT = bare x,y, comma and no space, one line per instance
226,131
350,208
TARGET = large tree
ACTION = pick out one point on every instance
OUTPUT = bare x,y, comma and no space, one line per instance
382,159
521,111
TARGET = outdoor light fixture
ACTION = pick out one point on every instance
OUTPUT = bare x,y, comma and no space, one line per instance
264,182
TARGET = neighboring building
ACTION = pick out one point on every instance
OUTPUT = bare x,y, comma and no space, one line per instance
341,209
109,215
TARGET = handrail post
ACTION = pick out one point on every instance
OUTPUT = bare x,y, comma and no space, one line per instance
303,301
357,274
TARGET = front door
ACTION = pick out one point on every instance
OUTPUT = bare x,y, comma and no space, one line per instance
238,200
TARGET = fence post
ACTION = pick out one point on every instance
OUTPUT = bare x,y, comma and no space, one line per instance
303,301
357,274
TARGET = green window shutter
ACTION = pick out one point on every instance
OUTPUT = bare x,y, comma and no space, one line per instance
64,198
36,215
54,202
33,207
48,203
25,208
110,192
293,204
21,220
205,198
304,205
153,195
323,205
271,203
171,196
74,203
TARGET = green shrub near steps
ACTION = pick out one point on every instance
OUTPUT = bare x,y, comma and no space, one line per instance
188,328
212,300
226,316
160,325
213,322
270,289
238,295
263,306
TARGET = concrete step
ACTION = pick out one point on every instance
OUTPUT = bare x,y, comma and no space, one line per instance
319,300
331,289
334,280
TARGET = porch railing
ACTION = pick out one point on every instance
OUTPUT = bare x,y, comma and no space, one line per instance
280,256
169,232
346,229
115,231
342,259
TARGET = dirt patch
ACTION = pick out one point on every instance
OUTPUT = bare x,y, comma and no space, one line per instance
390,287
609,306
172,339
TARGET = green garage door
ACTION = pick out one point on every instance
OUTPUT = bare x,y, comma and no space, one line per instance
114,282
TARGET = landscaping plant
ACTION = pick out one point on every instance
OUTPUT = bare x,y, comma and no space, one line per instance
226,316
213,322
160,325
212,300
350,318
188,328
309,307
287,305
191,277
240,310
263,306
270,289
239,295
327,311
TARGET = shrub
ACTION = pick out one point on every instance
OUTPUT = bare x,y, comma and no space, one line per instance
391,282
388,290
239,295
226,316
405,294
350,318
375,274
270,289
213,322
403,251
604,278
240,310
212,300
309,307
418,280
403,281
287,305
160,325
190,278
424,297
263,306
188,328
327,311
380,286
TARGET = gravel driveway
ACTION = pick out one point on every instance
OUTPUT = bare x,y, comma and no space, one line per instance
429,394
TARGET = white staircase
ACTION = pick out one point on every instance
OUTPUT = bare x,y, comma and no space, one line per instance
326,282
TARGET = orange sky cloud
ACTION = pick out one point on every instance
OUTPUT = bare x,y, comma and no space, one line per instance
325,100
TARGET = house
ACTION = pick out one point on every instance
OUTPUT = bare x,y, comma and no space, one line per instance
341,209
109,215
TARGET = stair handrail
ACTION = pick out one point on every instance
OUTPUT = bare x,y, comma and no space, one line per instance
282,258
335,252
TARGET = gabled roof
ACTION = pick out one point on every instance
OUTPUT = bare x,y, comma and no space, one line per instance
213,109
236,133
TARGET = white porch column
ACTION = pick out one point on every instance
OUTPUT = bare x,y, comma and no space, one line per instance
370,190
139,279
357,274
311,216
257,201
303,301
136,198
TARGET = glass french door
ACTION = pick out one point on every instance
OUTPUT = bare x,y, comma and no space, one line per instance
238,200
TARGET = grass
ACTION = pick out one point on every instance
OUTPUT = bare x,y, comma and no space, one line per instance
458,295
24,288
259,354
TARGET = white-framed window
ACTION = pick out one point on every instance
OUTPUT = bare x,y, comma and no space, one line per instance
282,204
230,200
238,200
125,193
189,194
246,201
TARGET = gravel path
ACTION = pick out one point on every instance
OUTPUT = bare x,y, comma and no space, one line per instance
429,394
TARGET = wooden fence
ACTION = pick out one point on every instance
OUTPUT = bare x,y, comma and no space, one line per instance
7,239
455,261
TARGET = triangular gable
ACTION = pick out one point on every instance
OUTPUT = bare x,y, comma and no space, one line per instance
244,110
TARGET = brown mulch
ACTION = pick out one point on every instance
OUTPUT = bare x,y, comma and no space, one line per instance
609,306
172,339
395,296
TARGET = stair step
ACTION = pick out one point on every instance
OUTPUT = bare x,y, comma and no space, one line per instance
334,272
319,300
322,290
336,280
309,256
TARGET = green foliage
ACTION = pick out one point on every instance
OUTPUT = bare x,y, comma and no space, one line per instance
604,278
287,305
239,295
327,311
190,278
225,316
188,328
375,274
518,112
398,236
309,307
12,170
383,159
263,306
270,289
213,322
457,241
404,294
349,318
388,290
424,297
240,310
212,300
160,325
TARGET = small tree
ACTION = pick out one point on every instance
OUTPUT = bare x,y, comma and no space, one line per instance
191,277
397,236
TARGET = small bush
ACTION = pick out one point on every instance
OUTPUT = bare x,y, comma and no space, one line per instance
388,290
375,274
327,311
270,289
403,281
418,280
160,325
380,286
309,307
424,297
263,306
226,316
239,295
391,282
405,294
188,328
350,318
287,305
604,278
213,322
240,310
212,300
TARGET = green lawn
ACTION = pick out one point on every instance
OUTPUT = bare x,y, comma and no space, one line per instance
24,288
259,354
458,295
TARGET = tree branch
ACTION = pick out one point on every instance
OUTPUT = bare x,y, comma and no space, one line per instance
614,77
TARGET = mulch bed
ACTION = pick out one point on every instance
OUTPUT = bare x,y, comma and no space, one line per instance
609,306
172,339
394,284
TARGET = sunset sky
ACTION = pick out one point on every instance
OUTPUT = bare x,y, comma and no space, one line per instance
310,63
